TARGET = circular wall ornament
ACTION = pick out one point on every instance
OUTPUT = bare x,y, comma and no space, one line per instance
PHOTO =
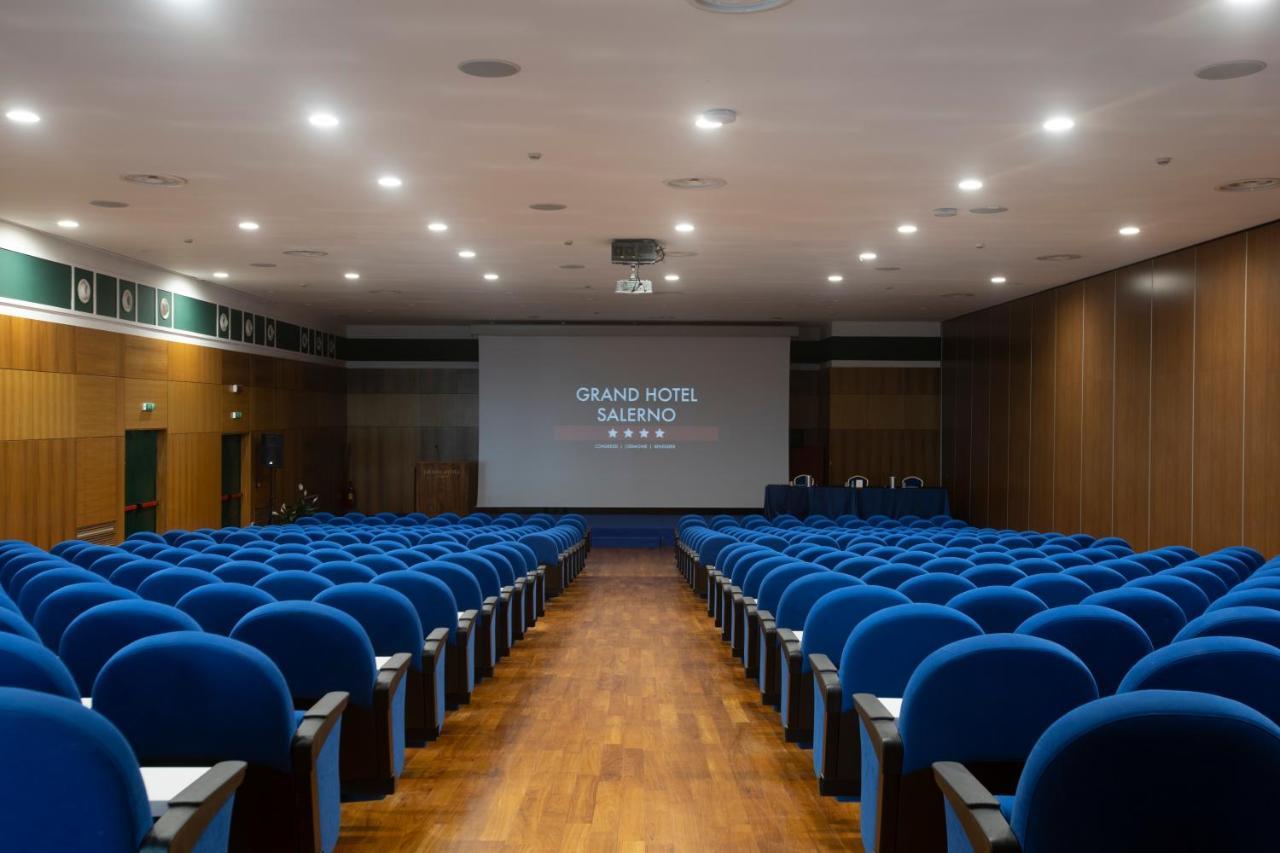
84,291
164,308
126,301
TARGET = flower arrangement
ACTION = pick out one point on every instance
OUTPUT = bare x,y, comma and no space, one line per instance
304,505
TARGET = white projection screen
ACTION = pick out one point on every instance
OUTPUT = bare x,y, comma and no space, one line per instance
632,422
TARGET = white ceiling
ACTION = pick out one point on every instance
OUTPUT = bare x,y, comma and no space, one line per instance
855,116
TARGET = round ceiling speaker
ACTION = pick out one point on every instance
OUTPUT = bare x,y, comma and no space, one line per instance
149,180
1249,185
489,68
696,183
1231,70
738,6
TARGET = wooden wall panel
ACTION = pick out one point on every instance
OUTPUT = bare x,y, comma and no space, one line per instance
39,482
190,363
36,404
1219,394
139,391
195,407
947,403
1157,389
961,506
99,480
99,353
998,462
33,345
1173,307
191,496
99,406
1262,391
1132,474
1020,315
145,358
1043,375
1098,399
1068,407
980,420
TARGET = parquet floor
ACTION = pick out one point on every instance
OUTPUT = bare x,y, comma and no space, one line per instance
619,723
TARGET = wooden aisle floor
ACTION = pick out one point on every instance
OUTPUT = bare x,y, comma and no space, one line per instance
619,723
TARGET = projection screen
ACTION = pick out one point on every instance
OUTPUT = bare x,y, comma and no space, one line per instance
632,422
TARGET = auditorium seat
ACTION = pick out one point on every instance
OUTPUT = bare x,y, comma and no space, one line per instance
795,691
26,664
344,572
1160,617
40,587
1183,592
218,607
168,586
879,656
57,611
772,589
1077,790
391,622
71,783
157,692
981,701
99,632
293,585
11,622
938,588
320,650
1108,641
998,609
241,571
1258,623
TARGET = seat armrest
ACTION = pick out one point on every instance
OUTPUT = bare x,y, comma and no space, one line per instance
434,645
469,617
490,605
181,827
826,675
392,672
789,644
882,731
974,807
319,723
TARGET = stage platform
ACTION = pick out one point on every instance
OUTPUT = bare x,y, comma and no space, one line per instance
640,530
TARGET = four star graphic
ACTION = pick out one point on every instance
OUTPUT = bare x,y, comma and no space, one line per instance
644,433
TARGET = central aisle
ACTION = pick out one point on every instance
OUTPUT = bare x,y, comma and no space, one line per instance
619,723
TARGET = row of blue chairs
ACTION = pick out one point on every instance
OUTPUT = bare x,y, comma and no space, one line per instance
1091,617
311,654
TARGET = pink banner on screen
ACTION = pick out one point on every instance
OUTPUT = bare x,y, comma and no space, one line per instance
618,432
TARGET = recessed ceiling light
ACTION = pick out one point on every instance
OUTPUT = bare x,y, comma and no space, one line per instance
68,223
907,229
351,276
1059,124
490,68
323,120
684,227
867,256
714,119
704,123
249,225
1130,231
437,227
835,279
491,276
390,182
998,279
1247,2
467,254
970,185
671,277
696,183
22,116
221,274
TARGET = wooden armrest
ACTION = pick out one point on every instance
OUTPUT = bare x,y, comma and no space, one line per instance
189,814
434,645
468,617
490,605
976,809
392,672
318,724
825,675
882,730
787,640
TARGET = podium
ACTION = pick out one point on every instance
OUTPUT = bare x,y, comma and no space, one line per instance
444,487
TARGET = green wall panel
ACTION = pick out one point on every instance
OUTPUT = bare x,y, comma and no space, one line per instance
146,305
194,315
105,289
34,280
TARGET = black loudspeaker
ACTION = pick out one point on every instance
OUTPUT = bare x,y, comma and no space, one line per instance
271,451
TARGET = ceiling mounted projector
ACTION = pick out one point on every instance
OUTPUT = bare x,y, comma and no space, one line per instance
634,283
637,250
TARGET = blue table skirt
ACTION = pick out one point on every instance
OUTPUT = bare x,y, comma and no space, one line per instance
835,501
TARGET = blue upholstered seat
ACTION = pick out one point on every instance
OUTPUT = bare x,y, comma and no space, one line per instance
1108,641
218,607
293,585
99,632
27,664
997,609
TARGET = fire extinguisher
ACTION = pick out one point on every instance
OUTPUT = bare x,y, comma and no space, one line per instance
349,497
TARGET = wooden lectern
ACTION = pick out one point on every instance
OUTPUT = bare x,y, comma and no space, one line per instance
445,487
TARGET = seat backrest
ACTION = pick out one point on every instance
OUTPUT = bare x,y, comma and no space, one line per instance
1255,597
1258,623
936,588
388,617
464,586
99,632
993,574
886,647
1055,590
1184,593
893,575
998,609
1077,791
777,581
43,585
345,572
836,614
988,699
1108,641
293,585
1235,667
319,649
481,569
57,611
218,607
157,693
71,782
430,597
11,622
382,563
247,572
1158,614
1099,578
800,596
132,574
26,664
170,585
